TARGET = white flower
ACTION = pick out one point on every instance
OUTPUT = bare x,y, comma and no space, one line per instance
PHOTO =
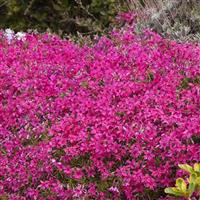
9,31
20,36
9,34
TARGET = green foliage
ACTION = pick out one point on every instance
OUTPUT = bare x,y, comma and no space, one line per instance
59,16
80,161
179,20
182,189
186,82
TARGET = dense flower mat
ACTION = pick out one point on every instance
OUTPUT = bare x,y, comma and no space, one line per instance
112,121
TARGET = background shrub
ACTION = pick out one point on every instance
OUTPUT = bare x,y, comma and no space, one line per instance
177,19
61,16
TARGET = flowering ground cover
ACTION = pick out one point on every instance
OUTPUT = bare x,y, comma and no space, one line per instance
111,121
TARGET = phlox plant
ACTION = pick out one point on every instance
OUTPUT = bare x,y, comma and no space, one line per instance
109,121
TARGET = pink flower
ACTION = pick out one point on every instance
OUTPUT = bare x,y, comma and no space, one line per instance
114,119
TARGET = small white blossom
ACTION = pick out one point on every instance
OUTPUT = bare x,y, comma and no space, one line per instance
20,36
9,34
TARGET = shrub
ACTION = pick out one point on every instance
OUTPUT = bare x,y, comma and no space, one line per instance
60,16
103,122
177,19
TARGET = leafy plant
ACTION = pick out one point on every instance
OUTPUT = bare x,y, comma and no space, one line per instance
184,189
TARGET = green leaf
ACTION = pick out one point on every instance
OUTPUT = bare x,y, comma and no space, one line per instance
186,167
181,185
174,191
198,181
192,178
191,189
85,84
197,167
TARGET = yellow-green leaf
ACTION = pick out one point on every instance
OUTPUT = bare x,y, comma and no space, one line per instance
197,167
174,191
192,178
181,185
191,189
186,167
198,181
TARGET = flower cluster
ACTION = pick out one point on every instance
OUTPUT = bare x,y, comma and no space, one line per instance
111,121
10,35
